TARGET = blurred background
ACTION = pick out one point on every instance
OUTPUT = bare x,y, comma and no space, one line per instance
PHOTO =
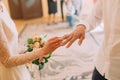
57,18
32,11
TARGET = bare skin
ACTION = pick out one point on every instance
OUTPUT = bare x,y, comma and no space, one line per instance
11,61
78,33
51,45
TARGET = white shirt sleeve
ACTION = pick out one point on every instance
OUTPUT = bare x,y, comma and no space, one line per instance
95,16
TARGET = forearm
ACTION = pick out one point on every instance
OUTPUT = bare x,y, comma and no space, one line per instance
22,58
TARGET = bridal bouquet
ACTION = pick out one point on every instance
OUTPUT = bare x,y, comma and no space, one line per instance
37,43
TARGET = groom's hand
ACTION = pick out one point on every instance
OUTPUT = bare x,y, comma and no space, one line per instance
78,33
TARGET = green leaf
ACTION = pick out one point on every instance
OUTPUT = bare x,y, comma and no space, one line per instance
30,49
46,60
36,61
41,65
40,39
27,67
28,46
45,36
30,41
49,55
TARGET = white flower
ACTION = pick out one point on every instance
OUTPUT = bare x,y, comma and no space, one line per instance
36,44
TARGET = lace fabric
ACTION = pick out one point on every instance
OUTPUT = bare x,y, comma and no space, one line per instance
1,8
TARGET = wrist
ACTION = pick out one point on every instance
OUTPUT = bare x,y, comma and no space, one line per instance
39,52
81,27
42,52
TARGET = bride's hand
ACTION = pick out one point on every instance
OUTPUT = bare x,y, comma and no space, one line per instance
51,45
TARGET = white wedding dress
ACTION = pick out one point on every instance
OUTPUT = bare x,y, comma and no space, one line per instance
17,72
